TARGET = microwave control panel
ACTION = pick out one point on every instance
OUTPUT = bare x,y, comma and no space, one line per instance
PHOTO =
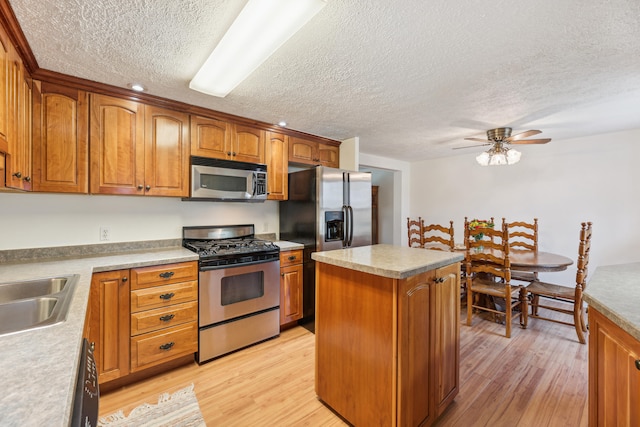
261,183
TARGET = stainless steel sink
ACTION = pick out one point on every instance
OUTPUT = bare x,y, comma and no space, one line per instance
35,303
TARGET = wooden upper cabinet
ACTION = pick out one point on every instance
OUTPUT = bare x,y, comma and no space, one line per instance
116,140
4,100
277,160
217,139
138,149
60,139
310,152
247,144
210,138
18,96
329,155
166,152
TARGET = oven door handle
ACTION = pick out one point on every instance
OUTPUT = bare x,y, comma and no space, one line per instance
220,267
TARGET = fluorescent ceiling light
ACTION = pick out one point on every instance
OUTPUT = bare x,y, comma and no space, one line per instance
260,29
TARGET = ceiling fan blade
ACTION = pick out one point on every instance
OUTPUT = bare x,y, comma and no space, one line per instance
477,139
522,135
471,146
532,141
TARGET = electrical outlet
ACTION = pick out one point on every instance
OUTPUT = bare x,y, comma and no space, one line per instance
105,234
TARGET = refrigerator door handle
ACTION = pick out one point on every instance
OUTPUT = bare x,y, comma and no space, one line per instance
347,225
350,209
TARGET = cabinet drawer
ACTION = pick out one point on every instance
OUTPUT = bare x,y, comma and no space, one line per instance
160,318
163,296
158,347
290,257
145,277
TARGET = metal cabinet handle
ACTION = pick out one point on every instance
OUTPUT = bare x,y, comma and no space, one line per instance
292,257
282,274
17,175
228,153
124,279
638,364
167,296
148,187
167,274
140,187
167,346
27,178
167,317
438,279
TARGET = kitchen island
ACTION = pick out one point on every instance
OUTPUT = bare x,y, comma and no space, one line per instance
387,333
613,295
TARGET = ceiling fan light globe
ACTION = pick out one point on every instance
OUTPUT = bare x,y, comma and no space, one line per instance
483,159
498,159
513,156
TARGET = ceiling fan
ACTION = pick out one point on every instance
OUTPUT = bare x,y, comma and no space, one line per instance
502,136
500,139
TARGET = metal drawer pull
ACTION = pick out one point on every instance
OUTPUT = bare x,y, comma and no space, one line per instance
167,346
167,317
292,257
167,274
638,364
438,279
167,296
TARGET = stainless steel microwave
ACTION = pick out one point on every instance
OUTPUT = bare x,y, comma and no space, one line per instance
227,181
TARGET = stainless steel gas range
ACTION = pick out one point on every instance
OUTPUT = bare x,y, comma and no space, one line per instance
239,288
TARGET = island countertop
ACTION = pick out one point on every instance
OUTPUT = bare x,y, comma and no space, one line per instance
395,262
614,290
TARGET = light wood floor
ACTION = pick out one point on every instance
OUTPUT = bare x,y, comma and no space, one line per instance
536,378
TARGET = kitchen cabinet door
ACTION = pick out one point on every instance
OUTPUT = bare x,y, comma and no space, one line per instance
247,144
277,160
60,139
18,162
116,140
108,327
614,374
445,321
166,152
290,294
4,99
303,151
328,155
210,138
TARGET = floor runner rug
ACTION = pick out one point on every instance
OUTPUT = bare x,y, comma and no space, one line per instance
179,409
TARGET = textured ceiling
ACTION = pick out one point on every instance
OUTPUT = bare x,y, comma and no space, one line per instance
411,78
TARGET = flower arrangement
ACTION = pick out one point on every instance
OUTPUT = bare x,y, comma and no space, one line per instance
475,224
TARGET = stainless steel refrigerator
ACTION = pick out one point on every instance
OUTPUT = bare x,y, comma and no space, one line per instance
327,209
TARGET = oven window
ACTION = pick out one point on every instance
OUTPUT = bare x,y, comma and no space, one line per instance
242,287
223,182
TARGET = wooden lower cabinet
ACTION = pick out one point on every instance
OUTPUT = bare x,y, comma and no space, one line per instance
614,374
142,317
290,286
108,323
397,362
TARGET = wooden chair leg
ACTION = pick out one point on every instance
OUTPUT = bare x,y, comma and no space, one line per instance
469,305
508,314
535,300
524,315
577,320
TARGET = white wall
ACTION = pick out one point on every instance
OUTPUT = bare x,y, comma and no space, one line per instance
349,153
561,183
45,220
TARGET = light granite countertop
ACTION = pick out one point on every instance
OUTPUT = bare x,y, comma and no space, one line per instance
39,367
614,290
395,262
288,246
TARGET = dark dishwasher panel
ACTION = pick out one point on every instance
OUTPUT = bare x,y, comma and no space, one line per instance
85,402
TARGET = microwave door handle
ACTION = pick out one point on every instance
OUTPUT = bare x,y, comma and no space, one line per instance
253,184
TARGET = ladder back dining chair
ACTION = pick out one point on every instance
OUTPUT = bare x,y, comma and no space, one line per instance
568,298
414,230
488,272
524,236
436,236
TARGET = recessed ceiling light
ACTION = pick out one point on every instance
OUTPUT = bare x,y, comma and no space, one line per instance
137,87
259,30
282,123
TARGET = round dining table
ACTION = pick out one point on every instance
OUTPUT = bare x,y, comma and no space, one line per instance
534,261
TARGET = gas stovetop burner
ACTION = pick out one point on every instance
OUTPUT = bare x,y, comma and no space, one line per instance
228,245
